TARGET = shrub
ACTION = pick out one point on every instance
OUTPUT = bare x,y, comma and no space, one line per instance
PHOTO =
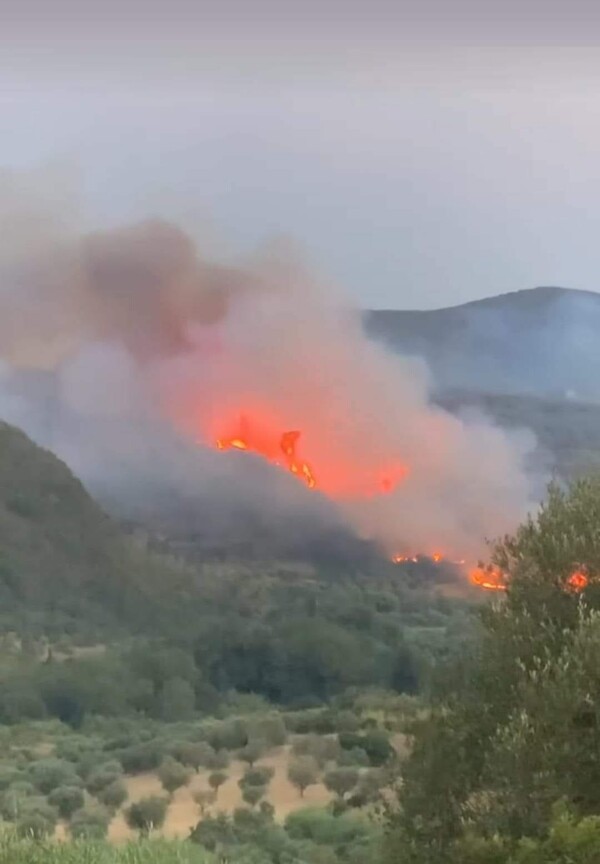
113,795
257,776
341,780
322,750
147,814
204,798
219,761
216,780
90,823
272,731
9,774
194,754
66,799
104,776
48,774
229,735
356,757
253,794
173,775
302,773
142,757
252,752
377,746
12,799
36,818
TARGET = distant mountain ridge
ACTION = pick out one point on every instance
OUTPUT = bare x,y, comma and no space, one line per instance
540,341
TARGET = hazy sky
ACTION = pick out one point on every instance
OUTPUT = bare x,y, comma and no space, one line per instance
422,153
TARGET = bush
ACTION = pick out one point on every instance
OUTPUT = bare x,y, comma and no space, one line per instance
173,775
66,799
194,754
220,761
229,735
12,799
113,795
147,814
303,773
36,818
357,757
322,750
204,798
253,794
257,777
10,774
325,829
90,823
142,757
252,752
272,730
341,781
48,774
377,746
374,743
104,776
216,780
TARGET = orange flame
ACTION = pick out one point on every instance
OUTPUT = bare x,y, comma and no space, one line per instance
340,481
490,577
287,445
578,580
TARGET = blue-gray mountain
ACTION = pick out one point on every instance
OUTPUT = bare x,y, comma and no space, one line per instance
542,342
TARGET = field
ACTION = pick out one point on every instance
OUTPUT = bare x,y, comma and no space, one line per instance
183,812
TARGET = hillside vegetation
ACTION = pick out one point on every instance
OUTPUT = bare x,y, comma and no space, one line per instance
64,565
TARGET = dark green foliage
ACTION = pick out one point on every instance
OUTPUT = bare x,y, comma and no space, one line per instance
36,818
303,772
147,814
257,776
374,743
11,800
341,781
216,780
48,774
90,823
142,757
515,728
253,794
195,754
66,800
252,751
315,836
103,776
173,775
113,795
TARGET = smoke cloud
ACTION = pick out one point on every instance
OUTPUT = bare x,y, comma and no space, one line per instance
130,355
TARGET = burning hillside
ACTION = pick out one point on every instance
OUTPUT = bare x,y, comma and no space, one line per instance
168,366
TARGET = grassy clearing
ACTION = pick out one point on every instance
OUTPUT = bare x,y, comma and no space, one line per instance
14,851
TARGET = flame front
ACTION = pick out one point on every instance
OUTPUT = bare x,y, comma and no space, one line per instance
338,478
287,447
489,577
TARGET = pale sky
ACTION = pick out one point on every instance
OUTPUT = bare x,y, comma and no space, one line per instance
421,153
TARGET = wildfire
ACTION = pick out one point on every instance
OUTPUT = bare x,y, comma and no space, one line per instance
490,577
338,480
287,447
578,580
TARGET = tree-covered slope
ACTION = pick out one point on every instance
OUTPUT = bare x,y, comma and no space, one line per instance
64,565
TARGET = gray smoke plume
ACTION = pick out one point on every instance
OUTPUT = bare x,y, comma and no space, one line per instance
129,354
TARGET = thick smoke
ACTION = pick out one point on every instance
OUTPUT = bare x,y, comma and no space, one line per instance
129,354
